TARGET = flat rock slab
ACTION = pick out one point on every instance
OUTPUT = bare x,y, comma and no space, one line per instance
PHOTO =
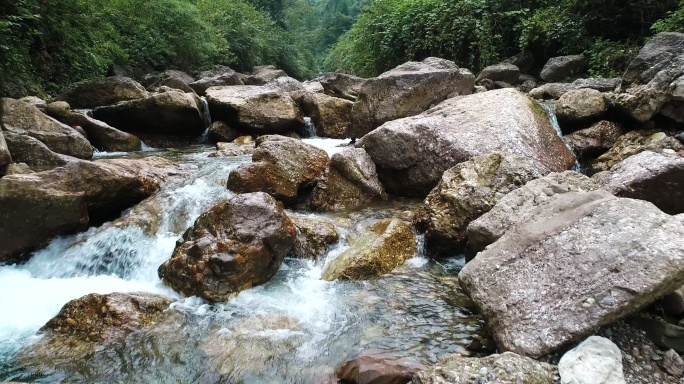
583,261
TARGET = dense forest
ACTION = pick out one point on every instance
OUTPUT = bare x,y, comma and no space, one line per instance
45,44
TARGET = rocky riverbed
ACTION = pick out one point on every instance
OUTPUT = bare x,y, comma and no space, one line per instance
470,234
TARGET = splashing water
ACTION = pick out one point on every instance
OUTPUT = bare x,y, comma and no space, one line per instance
297,328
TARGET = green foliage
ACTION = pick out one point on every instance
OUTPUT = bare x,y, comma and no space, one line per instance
475,33
674,22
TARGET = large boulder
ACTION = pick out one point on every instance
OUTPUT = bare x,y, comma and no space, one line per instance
505,368
412,153
38,206
108,91
407,90
467,191
650,176
331,116
558,68
584,260
32,152
524,61
349,182
595,360
598,83
235,245
580,107
314,235
519,206
375,251
220,131
24,119
593,141
101,135
163,113
633,143
556,90
5,156
505,72
654,78
264,74
341,85
255,109
220,76
177,80
281,166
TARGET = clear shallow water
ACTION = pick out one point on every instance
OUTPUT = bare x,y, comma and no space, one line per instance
296,328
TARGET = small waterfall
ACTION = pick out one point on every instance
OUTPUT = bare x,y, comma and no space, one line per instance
310,128
207,118
550,109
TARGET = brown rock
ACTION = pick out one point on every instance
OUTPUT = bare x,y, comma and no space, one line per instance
108,91
243,140
378,370
331,116
506,72
221,131
349,182
255,109
164,113
407,90
412,153
281,166
264,74
314,235
220,76
100,134
580,107
341,85
33,152
23,119
235,245
650,176
232,149
582,261
467,191
177,80
633,143
376,251
595,140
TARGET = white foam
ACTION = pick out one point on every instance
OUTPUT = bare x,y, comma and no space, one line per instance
331,146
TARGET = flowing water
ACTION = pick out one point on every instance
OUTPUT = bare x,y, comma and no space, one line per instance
296,328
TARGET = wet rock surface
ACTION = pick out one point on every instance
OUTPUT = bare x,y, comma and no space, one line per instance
377,250
467,191
412,153
378,370
235,245
521,282
281,166
595,140
314,235
407,90
350,181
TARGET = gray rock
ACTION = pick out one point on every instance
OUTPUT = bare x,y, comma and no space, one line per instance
170,113
595,360
288,84
18,169
232,149
661,333
33,152
35,101
581,106
673,363
313,86
633,143
177,80
341,85
24,119
505,368
598,83
551,91
597,139
263,75
519,206
558,68
506,72
673,302
108,91
584,260
467,191
255,109
5,156
412,153
101,135
524,61
349,182
314,235
407,90
650,176
217,78
654,78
